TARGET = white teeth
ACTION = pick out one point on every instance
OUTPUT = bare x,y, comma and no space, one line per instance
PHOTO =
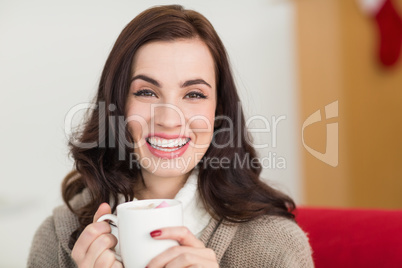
165,150
162,144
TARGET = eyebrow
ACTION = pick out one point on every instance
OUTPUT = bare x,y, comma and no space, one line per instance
156,83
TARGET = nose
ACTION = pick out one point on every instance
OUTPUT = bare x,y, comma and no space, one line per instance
168,116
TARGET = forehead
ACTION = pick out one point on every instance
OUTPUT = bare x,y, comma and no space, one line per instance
175,59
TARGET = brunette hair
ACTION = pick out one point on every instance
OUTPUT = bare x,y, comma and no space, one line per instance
234,194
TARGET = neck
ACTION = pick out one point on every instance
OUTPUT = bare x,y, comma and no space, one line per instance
156,187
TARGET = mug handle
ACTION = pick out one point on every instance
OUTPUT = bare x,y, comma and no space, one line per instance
115,231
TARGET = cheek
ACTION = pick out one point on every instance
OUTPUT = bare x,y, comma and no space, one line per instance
202,122
135,130
137,118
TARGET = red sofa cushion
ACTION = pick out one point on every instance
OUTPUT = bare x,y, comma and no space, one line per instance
353,237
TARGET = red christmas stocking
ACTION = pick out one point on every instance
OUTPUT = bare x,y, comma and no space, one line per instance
390,32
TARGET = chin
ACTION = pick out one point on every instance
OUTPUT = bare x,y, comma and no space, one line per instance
169,172
163,167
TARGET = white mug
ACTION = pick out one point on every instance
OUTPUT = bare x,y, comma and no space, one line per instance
135,221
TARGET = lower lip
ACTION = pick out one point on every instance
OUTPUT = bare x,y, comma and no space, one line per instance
168,155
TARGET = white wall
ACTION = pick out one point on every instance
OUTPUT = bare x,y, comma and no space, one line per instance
51,57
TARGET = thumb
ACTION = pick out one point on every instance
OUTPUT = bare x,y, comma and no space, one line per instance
103,209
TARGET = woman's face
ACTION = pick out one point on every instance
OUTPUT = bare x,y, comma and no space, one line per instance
171,105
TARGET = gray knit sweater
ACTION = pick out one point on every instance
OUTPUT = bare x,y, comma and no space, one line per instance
268,241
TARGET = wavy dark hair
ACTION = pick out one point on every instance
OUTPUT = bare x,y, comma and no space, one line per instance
235,194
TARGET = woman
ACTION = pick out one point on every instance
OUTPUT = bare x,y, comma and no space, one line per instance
167,125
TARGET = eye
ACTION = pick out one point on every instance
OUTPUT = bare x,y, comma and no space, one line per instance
144,93
195,95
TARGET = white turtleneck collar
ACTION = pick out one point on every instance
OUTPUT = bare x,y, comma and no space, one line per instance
195,217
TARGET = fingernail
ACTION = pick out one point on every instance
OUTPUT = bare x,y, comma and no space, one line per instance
156,233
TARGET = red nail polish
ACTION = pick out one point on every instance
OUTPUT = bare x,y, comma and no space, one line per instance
156,233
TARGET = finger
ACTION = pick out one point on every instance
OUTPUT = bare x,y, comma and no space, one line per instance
117,264
103,209
98,247
181,234
181,256
87,237
170,254
192,260
107,259
209,265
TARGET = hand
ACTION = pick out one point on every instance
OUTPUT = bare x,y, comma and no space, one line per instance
190,253
94,246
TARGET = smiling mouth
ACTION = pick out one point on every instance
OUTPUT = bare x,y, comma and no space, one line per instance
167,145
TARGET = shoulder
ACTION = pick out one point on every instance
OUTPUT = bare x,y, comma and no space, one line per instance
277,229
271,241
44,246
50,245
